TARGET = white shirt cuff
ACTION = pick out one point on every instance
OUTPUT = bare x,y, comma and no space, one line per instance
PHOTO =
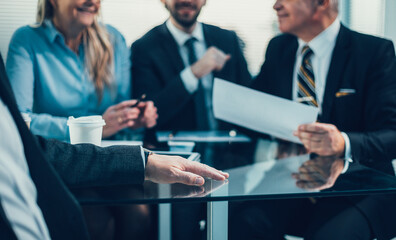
189,80
143,156
347,153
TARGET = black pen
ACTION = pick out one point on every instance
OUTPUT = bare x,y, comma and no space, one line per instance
139,100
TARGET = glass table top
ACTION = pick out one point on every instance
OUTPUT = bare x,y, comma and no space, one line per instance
260,169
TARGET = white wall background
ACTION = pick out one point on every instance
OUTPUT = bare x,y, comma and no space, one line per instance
253,20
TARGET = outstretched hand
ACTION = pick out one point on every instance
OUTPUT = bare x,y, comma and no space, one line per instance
174,169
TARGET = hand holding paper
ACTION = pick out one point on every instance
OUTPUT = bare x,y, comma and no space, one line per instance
323,139
260,111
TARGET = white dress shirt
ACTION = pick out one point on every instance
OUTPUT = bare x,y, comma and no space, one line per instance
190,82
17,191
322,47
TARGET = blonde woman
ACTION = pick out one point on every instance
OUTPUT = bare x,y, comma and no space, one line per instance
69,64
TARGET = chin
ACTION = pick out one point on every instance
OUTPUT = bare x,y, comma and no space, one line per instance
87,22
284,29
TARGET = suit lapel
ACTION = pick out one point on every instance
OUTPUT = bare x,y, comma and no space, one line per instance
338,62
171,48
9,100
211,41
5,87
209,36
286,69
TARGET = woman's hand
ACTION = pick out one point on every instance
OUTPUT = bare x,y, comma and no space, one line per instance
148,115
125,114
120,116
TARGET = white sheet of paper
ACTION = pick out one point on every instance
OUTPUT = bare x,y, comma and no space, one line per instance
259,111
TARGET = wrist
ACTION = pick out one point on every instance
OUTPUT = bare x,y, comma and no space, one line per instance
347,152
196,71
341,151
106,132
347,162
147,159
200,70
147,154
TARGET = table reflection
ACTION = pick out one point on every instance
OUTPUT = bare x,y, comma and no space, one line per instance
262,169
319,173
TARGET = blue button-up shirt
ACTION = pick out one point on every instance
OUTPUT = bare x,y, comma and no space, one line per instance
51,82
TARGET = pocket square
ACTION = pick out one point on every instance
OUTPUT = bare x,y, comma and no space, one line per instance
345,92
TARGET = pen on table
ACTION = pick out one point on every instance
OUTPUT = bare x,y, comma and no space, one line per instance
139,100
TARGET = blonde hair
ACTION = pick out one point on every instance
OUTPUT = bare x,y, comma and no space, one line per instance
98,49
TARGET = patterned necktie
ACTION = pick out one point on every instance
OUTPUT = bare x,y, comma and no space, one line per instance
199,96
306,79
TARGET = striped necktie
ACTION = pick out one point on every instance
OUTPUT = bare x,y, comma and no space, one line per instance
306,79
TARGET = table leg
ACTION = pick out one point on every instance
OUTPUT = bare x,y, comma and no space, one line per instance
217,220
164,215
164,222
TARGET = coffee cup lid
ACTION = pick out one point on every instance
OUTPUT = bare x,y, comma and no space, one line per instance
88,120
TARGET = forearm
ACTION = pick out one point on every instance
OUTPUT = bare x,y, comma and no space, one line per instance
49,126
89,165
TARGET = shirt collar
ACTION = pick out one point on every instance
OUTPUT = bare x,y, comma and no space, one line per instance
181,37
51,31
320,44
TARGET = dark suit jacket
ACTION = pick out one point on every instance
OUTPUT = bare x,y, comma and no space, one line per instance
366,64
361,62
156,67
52,164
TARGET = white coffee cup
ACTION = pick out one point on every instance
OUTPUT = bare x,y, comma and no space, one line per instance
26,117
86,129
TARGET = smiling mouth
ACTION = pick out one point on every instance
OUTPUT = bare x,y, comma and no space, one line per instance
186,9
87,10
185,6
282,17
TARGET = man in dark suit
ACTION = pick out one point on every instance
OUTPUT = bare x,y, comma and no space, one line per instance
174,65
351,78
35,173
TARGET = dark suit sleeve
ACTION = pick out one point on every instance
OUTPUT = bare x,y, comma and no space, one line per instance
89,165
379,139
148,70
